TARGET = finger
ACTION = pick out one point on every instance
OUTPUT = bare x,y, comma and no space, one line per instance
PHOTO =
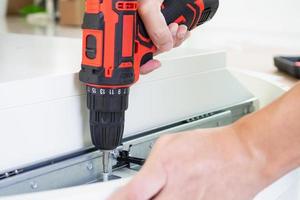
157,52
173,27
179,42
180,35
150,66
182,30
155,23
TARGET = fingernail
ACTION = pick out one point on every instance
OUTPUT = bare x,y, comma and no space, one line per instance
182,32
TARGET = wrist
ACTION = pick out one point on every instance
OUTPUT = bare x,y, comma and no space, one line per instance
273,153
262,170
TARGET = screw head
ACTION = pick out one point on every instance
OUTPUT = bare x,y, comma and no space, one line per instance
33,185
151,145
89,166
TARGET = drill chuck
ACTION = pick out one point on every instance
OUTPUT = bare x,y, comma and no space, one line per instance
107,115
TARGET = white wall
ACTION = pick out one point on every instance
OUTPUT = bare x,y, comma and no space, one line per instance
262,15
3,6
251,22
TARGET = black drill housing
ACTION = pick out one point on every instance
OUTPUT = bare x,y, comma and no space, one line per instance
107,115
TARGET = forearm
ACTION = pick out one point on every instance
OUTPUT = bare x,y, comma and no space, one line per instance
272,135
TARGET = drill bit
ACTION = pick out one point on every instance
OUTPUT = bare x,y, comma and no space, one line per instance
106,165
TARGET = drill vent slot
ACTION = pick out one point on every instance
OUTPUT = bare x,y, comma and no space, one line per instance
205,15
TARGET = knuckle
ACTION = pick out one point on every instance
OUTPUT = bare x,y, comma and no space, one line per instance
162,37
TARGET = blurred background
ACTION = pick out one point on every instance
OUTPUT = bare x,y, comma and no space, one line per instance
42,17
267,17
252,32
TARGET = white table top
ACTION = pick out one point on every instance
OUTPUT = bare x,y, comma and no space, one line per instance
37,56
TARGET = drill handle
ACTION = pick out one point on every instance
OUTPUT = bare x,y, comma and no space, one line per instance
191,13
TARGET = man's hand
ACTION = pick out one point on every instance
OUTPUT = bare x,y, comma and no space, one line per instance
208,164
231,163
163,36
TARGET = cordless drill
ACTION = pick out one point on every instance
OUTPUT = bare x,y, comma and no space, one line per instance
115,45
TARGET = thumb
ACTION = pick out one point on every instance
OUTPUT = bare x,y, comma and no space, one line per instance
145,185
155,23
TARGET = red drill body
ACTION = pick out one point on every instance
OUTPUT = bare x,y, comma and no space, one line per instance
115,45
